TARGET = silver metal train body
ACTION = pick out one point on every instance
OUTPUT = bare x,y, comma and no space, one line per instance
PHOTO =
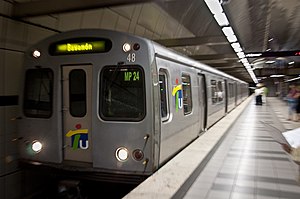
115,106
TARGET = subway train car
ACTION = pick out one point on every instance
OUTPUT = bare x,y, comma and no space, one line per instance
111,106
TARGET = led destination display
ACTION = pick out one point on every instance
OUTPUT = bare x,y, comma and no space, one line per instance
80,46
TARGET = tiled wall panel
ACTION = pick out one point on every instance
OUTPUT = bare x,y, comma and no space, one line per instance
11,141
134,18
36,34
2,69
13,186
2,187
49,21
69,21
15,33
5,7
125,11
149,17
139,30
109,20
2,153
91,19
168,30
122,24
12,72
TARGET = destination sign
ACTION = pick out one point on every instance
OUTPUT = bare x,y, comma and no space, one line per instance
132,76
80,46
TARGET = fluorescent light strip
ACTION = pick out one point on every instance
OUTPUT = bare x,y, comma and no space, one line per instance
236,45
227,31
292,79
232,38
237,50
247,65
214,6
270,62
277,75
244,60
220,17
254,55
241,55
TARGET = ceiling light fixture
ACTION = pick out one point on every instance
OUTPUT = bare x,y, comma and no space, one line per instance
235,45
232,38
221,19
227,31
270,62
241,55
253,54
216,9
214,6
277,75
290,80
237,50
290,63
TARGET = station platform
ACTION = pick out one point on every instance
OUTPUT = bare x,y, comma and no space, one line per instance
239,157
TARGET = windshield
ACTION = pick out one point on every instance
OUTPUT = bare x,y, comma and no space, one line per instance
38,93
122,93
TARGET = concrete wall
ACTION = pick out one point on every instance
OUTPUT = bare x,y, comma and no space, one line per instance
15,37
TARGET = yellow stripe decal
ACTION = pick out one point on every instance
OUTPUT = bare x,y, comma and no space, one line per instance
175,89
78,131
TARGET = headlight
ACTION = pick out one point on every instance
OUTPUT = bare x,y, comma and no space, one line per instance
122,154
36,54
36,146
126,47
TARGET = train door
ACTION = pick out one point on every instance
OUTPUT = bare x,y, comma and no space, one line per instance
202,102
77,84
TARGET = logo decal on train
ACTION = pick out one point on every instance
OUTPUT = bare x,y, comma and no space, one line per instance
177,93
79,138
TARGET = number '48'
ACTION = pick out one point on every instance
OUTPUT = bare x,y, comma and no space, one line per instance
131,57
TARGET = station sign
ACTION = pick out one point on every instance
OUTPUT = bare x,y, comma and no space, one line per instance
274,54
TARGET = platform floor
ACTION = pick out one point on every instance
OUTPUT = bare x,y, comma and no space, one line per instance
250,163
238,158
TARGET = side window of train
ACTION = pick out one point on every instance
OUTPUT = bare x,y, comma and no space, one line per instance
214,92
217,93
38,93
220,92
231,93
163,84
187,94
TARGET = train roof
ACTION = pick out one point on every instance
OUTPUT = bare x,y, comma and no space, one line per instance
174,55
158,49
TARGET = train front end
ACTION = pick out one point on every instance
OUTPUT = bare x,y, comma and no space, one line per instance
87,106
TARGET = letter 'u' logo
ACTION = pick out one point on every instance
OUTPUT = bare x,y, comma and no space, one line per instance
177,92
79,138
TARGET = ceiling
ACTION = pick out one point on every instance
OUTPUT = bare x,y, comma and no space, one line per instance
264,26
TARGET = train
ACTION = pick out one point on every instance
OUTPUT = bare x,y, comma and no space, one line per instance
112,106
